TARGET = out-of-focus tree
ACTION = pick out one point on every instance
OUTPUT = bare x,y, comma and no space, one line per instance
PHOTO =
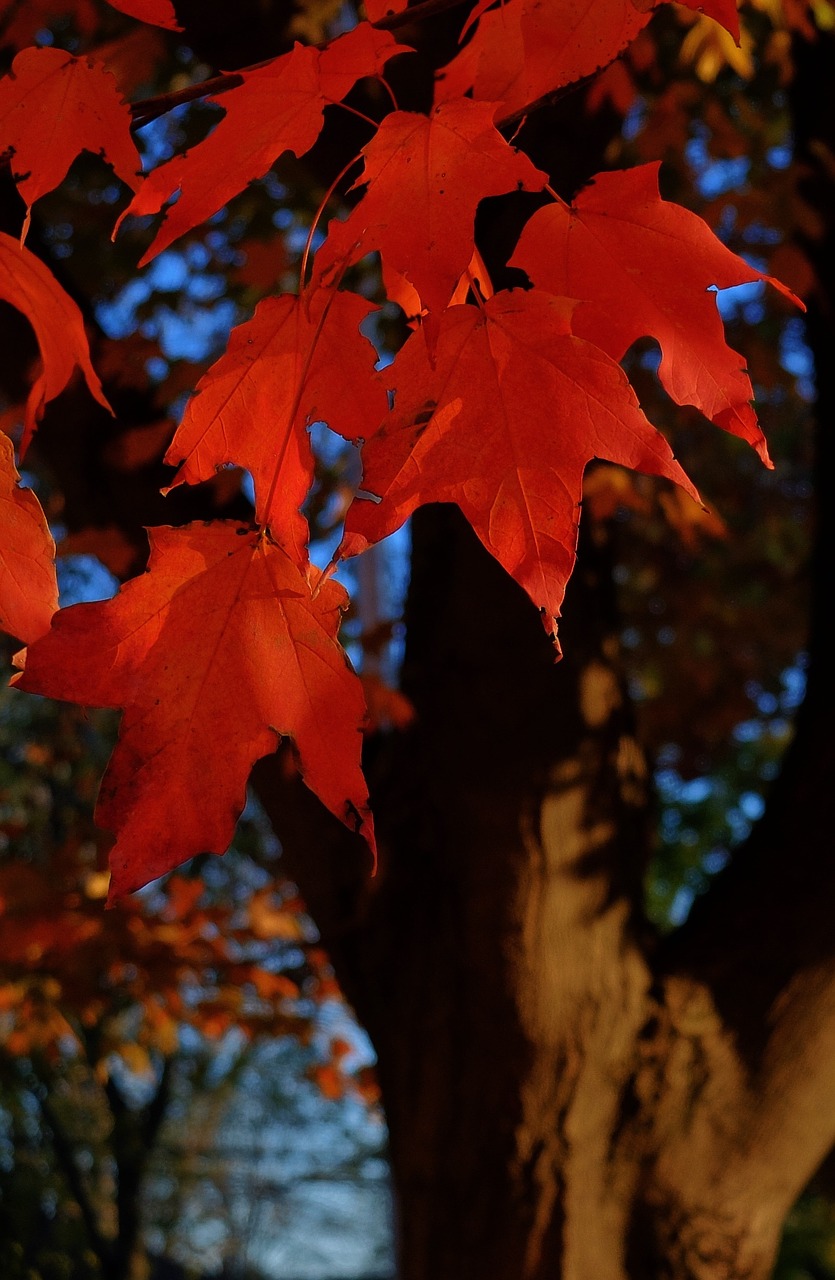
108,1016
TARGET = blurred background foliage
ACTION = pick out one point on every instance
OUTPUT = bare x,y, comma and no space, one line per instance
160,1060
137,1044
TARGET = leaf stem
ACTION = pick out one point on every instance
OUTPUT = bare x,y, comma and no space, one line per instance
322,206
556,196
475,289
384,82
354,112
483,280
294,408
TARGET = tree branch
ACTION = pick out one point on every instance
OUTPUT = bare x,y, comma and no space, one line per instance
65,1153
149,109
133,1139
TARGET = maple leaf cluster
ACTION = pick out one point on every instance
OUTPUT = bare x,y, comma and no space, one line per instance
497,401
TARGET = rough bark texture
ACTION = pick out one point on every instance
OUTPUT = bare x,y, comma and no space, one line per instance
563,1099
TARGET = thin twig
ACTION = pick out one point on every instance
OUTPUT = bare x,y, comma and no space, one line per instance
546,100
149,109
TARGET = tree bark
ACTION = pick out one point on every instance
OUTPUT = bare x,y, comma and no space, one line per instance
562,1099
530,789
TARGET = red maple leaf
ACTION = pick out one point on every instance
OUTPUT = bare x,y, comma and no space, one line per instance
725,12
278,108
425,177
377,9
645,267
298,360
160,13
526,49
54,106
215,653
28,586
504,425
59,328
362,51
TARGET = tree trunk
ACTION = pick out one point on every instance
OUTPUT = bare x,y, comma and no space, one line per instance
562,1099
506,902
